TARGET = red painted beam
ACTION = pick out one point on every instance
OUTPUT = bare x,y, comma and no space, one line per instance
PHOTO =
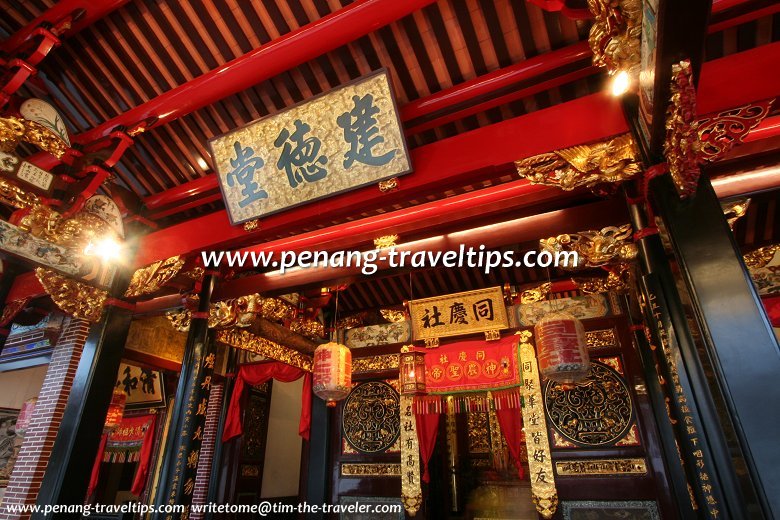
194,188
496,80
739,79
468,157
504,232
438,102
93,11
725,83
304,44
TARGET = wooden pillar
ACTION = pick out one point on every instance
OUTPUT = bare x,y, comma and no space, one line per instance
318,464
737,335
182,450
36,450
67,475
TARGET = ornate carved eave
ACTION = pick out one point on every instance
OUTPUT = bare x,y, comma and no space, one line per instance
14,130
611,245
596,166
761,257
615,36
242,339
74,298
150,279
618,280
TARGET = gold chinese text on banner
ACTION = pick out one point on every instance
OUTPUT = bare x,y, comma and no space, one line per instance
461,313
411,492
334,142
543,491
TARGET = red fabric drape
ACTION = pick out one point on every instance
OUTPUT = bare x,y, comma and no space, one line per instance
93,481
772,306
256,375
427,430
142,471
511,423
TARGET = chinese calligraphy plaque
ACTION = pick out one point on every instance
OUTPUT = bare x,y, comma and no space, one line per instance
371,418
543,491
338,141
596,412
456,314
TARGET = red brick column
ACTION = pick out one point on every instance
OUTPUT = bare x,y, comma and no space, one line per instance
206,457
25,481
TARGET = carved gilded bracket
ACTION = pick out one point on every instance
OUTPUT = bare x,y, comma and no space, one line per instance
14,130
77,299
241,312
682,146
615,36
597,166
244,340
595,248
761,257
150,279
618,280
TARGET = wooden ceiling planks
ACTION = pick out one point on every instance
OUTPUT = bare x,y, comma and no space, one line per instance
148,47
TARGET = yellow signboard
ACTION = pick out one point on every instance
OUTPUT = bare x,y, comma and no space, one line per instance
335,142
456,314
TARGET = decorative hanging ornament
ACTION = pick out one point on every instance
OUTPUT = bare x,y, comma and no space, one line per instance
115,410
562,348
332,372
412,371
25,415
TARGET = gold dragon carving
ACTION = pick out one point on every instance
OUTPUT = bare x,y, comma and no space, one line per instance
592,165
595,248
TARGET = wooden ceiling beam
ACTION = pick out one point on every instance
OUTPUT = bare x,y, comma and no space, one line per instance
266,62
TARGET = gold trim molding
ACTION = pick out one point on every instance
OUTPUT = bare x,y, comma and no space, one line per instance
375,363
574,467
594,165
370,470
74,298
761,257
244,340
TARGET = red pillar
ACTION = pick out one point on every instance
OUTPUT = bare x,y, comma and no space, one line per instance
27,475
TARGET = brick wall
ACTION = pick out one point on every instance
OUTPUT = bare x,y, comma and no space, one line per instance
206,457
27,475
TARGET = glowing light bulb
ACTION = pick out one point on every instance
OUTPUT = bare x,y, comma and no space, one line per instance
107,249
621,83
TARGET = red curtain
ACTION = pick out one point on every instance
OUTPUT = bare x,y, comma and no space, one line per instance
93,481
511,423
145,459
427,429
772,306
256,375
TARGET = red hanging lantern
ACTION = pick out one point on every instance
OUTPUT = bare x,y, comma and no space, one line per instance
412,371
115,410
332,372
25,415
562,348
